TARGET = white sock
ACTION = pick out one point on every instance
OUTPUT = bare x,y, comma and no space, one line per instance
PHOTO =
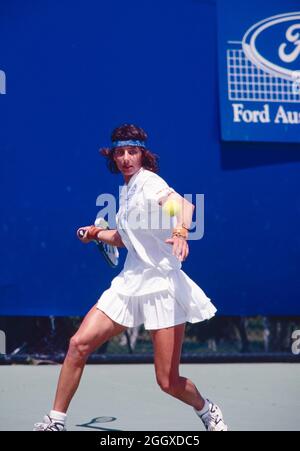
204,409
58,416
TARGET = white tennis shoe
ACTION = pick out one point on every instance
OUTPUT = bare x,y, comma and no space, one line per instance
49,424
213,418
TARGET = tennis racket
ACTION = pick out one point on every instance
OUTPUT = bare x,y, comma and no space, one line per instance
109,252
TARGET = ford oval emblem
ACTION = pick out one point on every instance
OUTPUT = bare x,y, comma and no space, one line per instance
274,45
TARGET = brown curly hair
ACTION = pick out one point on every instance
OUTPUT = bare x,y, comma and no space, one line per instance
124,133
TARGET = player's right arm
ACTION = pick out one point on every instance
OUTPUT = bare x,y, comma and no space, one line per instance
111,237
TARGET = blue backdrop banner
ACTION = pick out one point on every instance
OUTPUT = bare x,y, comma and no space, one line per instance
259,70
72,71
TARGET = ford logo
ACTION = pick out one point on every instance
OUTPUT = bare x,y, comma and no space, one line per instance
274,45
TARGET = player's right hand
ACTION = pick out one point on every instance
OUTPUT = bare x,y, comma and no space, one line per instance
88,231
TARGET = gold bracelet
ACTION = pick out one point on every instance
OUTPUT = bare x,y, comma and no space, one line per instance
178,231
178,235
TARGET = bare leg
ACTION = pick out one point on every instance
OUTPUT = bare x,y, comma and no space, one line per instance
95,330
167,345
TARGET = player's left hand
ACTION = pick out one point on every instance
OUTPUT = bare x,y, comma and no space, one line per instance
180,247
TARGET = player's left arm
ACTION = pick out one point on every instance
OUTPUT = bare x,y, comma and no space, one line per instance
184,215
184,211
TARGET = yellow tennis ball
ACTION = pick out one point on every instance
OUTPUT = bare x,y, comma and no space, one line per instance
171,207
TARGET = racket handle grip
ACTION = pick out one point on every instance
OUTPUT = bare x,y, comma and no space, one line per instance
80,233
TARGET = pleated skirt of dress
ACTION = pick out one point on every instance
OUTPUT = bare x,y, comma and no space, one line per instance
184,301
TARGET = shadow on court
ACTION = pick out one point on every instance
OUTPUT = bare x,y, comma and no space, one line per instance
94,424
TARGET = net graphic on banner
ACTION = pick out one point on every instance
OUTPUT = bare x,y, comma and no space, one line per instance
247,82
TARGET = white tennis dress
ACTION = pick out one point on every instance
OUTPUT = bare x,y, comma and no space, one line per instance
151,289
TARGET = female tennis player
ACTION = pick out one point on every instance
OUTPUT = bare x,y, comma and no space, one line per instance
151,289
